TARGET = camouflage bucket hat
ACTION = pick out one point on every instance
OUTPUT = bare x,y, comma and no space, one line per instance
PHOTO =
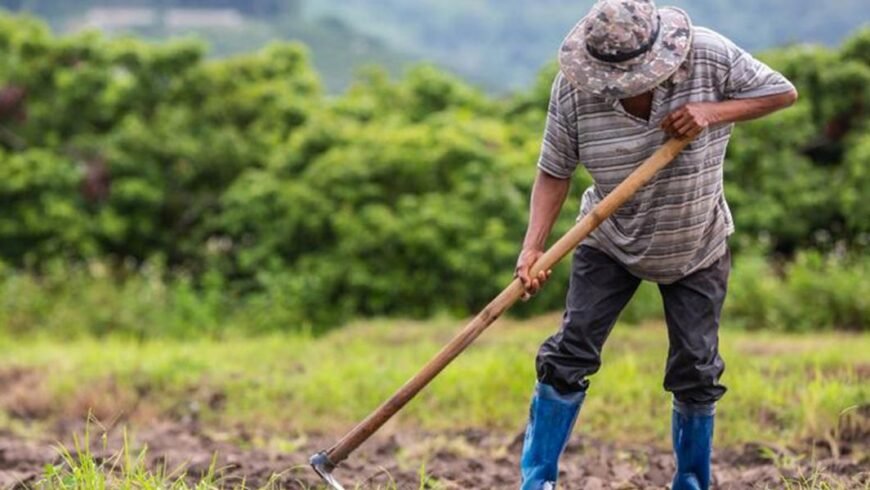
624,48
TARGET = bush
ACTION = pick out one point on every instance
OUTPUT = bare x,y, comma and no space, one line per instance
403,197
814,292
97,299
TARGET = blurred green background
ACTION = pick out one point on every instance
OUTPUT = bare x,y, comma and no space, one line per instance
210,194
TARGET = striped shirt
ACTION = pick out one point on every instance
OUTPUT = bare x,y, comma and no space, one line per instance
679,222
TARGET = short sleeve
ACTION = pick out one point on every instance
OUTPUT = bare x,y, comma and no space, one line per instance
748,78
559,155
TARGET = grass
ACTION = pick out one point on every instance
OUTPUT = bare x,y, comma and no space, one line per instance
783,388
81,469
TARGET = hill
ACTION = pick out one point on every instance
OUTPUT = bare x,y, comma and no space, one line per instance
500,45
228,27
503,43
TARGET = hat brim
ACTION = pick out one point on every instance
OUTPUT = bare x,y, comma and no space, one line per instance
633,77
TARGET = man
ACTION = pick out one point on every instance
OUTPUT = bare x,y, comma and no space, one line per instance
631,76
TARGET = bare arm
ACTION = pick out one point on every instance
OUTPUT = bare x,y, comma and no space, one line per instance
548,196
737,110
691,119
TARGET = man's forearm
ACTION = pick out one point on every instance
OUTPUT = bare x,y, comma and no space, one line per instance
691,119
548,196
737,110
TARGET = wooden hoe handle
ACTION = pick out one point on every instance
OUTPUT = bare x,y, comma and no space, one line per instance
622,193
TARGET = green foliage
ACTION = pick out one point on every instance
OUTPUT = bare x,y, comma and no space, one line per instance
42,215
854,177
793,179
814,292
90,299
239,178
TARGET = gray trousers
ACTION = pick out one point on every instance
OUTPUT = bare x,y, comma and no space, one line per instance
599,290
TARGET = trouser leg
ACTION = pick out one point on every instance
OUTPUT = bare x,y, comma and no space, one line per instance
599,289
693,307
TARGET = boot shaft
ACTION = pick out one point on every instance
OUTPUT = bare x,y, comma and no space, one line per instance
551,419
692,432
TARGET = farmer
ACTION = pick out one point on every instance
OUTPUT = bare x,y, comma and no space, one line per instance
631,76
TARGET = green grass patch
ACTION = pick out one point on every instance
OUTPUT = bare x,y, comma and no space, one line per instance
783,388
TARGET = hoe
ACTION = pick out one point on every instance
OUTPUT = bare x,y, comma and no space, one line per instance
326,461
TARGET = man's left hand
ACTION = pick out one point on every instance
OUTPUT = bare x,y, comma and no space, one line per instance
690,120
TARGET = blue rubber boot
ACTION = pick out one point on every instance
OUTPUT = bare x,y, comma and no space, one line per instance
551,418
692,431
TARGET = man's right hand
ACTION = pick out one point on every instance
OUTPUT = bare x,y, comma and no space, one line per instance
527,259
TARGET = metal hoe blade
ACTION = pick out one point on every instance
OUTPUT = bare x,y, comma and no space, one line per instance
324,467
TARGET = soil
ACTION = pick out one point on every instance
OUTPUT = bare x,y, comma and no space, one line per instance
466,460
181,447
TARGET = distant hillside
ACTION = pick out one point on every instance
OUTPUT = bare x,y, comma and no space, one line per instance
337,49
230,27
503,43
499,44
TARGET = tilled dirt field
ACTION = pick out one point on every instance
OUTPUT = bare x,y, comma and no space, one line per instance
467,460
